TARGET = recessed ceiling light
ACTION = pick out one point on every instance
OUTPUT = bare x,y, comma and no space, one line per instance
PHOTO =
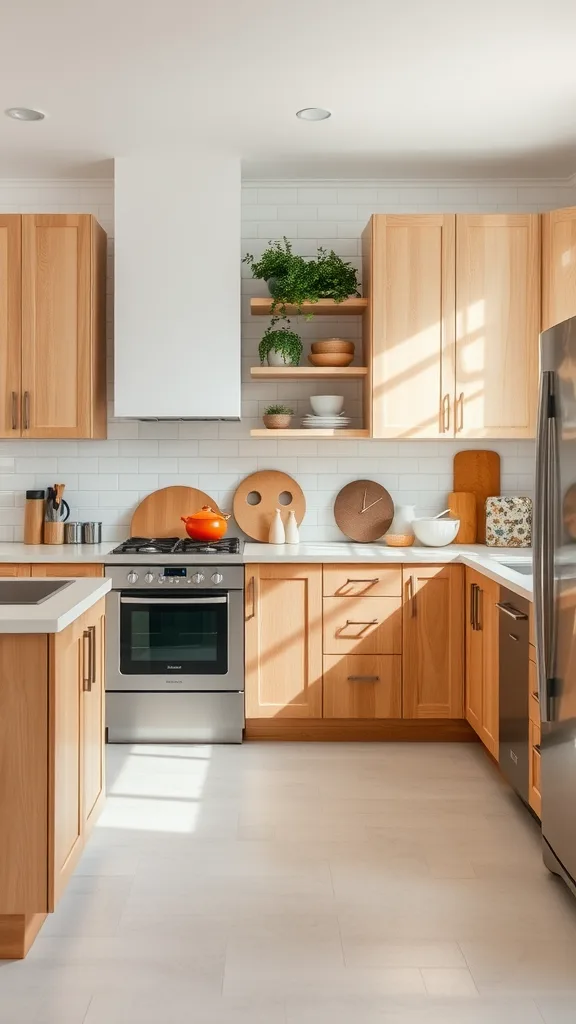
24,114
313,114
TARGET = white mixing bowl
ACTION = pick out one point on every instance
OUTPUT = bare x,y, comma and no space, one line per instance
327,405
435,533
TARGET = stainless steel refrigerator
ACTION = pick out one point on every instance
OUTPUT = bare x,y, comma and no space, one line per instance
555,594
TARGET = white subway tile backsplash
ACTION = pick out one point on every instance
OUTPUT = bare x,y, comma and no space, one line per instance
106,479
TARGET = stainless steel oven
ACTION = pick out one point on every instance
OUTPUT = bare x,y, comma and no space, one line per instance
175,661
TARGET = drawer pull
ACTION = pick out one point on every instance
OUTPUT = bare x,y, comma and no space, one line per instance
536,695
508,609
351,622
375,580
536,747
363,679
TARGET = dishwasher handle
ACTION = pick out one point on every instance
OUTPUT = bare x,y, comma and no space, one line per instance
510,610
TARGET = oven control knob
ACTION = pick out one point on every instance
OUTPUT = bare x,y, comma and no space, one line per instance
161,579
217,577
198,577
149,578
132,577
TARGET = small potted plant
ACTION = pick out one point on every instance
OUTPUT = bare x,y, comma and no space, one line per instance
280,346
277,417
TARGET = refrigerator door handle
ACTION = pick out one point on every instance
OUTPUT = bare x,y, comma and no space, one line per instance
544,539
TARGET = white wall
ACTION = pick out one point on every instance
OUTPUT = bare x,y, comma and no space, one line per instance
177,322
107,478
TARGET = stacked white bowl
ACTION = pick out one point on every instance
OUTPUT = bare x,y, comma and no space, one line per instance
327,413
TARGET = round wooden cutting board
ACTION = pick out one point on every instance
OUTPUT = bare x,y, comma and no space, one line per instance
264,490
159,514
363,510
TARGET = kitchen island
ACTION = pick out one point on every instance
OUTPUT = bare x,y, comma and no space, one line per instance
51,744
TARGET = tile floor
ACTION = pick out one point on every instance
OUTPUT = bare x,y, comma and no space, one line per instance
304,884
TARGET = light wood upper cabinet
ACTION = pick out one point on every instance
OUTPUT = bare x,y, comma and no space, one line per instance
497,324
63,323
558,266
482,660
283,641
10,325
433,642
410,269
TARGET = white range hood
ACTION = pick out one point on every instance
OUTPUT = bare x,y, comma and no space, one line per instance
177,287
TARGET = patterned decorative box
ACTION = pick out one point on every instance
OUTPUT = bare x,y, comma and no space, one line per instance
509,522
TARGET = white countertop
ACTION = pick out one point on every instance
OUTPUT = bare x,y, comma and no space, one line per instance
478,556
55,553
54,613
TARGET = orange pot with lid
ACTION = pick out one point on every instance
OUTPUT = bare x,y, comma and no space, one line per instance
206,525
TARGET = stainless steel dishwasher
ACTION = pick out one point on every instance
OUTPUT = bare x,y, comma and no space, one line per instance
514,711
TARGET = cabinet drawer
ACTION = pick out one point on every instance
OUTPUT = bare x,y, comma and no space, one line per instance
362,686
362,625
362,581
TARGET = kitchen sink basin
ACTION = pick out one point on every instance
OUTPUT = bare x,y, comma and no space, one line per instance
29,591
524,568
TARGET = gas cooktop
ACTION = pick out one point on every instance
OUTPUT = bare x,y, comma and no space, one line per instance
178,546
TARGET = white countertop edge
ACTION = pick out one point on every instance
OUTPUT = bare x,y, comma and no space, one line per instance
54,553
57,612
477,556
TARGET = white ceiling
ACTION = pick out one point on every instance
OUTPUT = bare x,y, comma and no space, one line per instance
418,88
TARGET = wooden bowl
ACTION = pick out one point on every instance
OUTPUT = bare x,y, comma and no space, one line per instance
333,345
331,359
399,540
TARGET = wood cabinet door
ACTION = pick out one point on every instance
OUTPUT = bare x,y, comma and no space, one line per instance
93,718
10,324
433,642
558,266
14,569
474,651
70,569
284,641
56,326
67,667
497,324
490,629
412,311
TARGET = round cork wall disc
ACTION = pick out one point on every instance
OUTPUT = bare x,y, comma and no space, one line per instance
159,514
364,510
258,497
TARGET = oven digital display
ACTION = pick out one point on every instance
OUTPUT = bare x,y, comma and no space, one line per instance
170,570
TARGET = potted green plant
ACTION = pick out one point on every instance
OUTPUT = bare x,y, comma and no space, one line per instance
277,417
280,346
293,280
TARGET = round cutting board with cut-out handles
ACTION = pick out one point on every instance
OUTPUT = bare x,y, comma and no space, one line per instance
159,514
258,497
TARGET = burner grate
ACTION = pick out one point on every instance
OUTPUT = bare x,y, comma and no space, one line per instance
175,545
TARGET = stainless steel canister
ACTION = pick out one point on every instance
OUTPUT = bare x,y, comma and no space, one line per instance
91,533
72,533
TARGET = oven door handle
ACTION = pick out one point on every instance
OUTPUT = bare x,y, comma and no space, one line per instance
177,599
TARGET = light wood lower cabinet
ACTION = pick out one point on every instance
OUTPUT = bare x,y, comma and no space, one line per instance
482,661
433,642
52,778
362,686
14,569
283,641
76,570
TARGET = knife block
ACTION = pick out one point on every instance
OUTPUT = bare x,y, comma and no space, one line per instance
54,533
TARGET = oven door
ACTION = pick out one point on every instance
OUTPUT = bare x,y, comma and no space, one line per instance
164,641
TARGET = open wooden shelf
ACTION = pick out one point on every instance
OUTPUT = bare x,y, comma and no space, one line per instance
308,372
324,307
303,432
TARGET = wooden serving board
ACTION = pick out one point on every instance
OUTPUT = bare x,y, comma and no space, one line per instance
478,472
462,505
159,514
269,484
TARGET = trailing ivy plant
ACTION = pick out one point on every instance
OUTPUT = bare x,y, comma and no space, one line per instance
294,280
283,340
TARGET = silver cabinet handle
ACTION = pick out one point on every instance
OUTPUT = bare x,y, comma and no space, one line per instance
478,625
445,414
252,586
92,632
86,661
177,600
26,424
14,411
472,585
412,595
363,679
514,637
460,401
352,622
512,612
